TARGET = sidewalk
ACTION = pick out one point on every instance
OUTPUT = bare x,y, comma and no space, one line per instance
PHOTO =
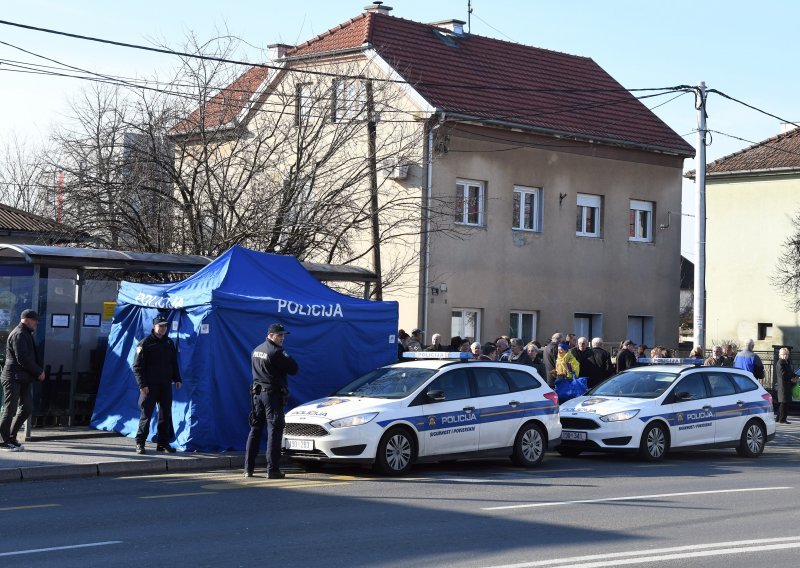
55,453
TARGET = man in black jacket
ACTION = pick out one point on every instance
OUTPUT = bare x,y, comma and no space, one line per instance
156,368
626,358
269,393
598,365
21,369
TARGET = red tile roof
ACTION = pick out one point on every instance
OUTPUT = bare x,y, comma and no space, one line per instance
538,88
778,152
226,105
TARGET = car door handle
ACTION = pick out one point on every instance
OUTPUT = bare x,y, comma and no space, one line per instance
706,408
469,409
513,403
740,402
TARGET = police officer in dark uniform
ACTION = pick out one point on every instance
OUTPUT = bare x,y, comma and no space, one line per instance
156,368
21,369
269,393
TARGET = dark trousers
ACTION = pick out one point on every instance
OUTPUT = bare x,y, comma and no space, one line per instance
268,409
782,410
17,405
161,395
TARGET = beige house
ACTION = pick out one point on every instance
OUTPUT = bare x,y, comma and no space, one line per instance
539,181
752,198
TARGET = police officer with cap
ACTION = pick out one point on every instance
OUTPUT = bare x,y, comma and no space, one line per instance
269,393
156,368
22,367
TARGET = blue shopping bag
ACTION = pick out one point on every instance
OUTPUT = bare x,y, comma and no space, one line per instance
567,389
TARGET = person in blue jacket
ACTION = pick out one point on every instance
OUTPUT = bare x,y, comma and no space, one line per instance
749,361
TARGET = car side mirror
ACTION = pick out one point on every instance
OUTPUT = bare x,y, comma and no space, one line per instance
436,395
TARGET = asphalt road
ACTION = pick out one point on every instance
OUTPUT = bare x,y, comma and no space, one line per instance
696,509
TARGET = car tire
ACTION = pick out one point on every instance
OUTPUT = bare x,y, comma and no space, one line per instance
753,440
529,446
395,453
311,466
569,452
655,443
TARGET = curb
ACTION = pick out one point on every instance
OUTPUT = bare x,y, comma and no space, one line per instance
129,467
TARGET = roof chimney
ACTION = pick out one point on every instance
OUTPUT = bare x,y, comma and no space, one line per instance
378,8
277,50
455,26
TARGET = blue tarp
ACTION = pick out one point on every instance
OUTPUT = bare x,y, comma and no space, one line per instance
218,315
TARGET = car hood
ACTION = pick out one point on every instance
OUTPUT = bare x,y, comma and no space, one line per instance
600,405
335,407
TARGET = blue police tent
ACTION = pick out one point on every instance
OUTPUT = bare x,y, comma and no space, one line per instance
218,315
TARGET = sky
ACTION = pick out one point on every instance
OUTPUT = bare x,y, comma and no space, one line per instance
744,49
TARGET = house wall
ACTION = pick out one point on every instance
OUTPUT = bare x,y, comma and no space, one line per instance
748,219
556,273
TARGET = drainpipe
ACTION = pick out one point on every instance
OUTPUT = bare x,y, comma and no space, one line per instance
426,257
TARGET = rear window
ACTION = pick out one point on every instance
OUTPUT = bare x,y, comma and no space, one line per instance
521,380
744,384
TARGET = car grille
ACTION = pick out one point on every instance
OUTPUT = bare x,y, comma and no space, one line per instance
305,430
579,423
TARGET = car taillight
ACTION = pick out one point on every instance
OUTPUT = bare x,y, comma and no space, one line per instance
552,397
767,397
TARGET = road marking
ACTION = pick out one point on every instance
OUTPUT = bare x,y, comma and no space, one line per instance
35,550
467,480
177,495
630,498
661,554
294,484
21,507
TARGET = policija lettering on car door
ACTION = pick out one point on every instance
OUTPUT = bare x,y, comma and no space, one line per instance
452,424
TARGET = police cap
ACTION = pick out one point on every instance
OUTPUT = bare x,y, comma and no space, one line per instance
277,328
160,319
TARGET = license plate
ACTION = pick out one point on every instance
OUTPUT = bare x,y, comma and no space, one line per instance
307,445
570,435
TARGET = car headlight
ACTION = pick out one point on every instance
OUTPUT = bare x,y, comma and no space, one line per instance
356,420
618,416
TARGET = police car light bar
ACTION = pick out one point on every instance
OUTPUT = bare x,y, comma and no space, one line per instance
436,355
669,361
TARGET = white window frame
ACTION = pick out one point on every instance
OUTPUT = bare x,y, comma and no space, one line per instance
460,329
525,195
637,210
595,324
585,201
462,195
349,99
645,332
522,333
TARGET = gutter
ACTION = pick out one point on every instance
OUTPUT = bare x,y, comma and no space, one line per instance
573,135
742,173
426,241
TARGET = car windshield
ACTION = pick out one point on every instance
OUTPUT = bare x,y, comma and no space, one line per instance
635,384
387,382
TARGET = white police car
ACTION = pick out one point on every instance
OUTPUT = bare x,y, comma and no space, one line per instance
653,409
428,409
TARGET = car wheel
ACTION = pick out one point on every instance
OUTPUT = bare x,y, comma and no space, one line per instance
569,452
311,465
395,452
529,446
654,444
753,439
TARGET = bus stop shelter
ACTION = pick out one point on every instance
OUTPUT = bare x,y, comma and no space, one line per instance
74,290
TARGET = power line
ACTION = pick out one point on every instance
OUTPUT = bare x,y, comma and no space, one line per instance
720,93
315,72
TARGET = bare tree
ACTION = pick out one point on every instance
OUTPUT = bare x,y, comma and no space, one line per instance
25,180
273,160
787,270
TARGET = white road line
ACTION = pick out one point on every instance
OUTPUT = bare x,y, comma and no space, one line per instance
660,554
630,498
35,550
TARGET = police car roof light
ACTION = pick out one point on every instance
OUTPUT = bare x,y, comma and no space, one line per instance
436,355
668,361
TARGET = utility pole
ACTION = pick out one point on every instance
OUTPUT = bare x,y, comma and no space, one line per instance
700,221
372,133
